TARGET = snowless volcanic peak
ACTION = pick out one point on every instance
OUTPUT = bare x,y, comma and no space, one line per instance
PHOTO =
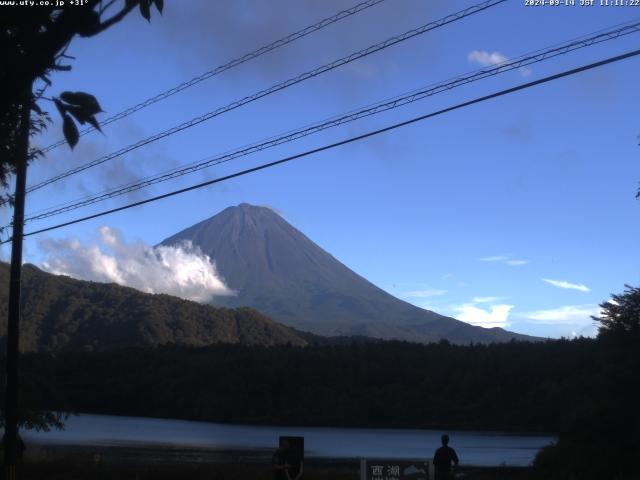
277,270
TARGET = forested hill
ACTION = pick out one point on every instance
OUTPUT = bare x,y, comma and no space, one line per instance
61,313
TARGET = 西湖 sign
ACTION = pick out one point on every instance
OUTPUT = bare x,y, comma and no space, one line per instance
385,469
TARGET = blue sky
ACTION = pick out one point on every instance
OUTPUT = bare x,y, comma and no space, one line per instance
518,212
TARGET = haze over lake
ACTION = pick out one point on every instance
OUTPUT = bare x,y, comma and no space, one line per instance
474,448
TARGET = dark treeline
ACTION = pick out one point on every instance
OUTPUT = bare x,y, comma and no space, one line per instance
586,390
602,438
513,386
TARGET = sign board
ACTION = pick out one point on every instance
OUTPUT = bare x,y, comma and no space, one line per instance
295,456
295,443
388,469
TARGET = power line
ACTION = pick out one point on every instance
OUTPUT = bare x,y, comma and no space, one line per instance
500,93
396,102
229,65
277,87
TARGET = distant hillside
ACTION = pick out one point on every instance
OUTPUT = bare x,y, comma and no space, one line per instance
61,313
279,271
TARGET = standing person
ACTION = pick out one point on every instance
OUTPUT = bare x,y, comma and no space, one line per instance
443,458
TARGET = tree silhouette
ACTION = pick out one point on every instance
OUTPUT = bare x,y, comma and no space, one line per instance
601,441
620,317
33,44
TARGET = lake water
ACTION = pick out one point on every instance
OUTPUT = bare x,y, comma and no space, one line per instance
474,448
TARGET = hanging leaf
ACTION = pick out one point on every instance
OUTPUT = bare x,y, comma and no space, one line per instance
70,131
88,102
90,23
159,5
62,108
94,123
78,113
131,3
144,9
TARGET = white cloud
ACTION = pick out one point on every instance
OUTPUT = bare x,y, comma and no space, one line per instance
182,270
507,260
495,316
495,258
588,331
485,58
487,299
525,71
566,315
565,284
425,293
516,263
488,59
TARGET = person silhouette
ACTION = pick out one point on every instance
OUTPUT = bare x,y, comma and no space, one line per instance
443,458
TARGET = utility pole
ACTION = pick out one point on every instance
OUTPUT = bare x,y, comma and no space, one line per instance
13,325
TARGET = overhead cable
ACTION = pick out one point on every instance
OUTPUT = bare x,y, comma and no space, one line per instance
500,93
227,66
275,88
396,102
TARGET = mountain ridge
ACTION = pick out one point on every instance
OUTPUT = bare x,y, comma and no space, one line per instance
60,313
278,270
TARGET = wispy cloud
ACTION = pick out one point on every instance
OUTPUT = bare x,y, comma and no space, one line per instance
428,293
495,258
565,284
507,260
516,262
565,315
494,316
525,71
487,299
487,59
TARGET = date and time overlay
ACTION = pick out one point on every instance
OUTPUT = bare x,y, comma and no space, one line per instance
526,3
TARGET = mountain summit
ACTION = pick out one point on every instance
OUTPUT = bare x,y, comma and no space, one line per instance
277,270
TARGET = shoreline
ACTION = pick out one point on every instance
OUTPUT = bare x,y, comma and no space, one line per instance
269,423
479,448
108,462
125,452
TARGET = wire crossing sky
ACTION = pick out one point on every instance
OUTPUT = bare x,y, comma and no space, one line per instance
518,212
521,62
341,143
223,68
389,42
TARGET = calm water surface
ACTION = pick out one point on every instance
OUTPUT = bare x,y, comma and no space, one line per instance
474,448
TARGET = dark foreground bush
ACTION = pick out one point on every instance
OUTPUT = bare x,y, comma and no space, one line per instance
579,460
